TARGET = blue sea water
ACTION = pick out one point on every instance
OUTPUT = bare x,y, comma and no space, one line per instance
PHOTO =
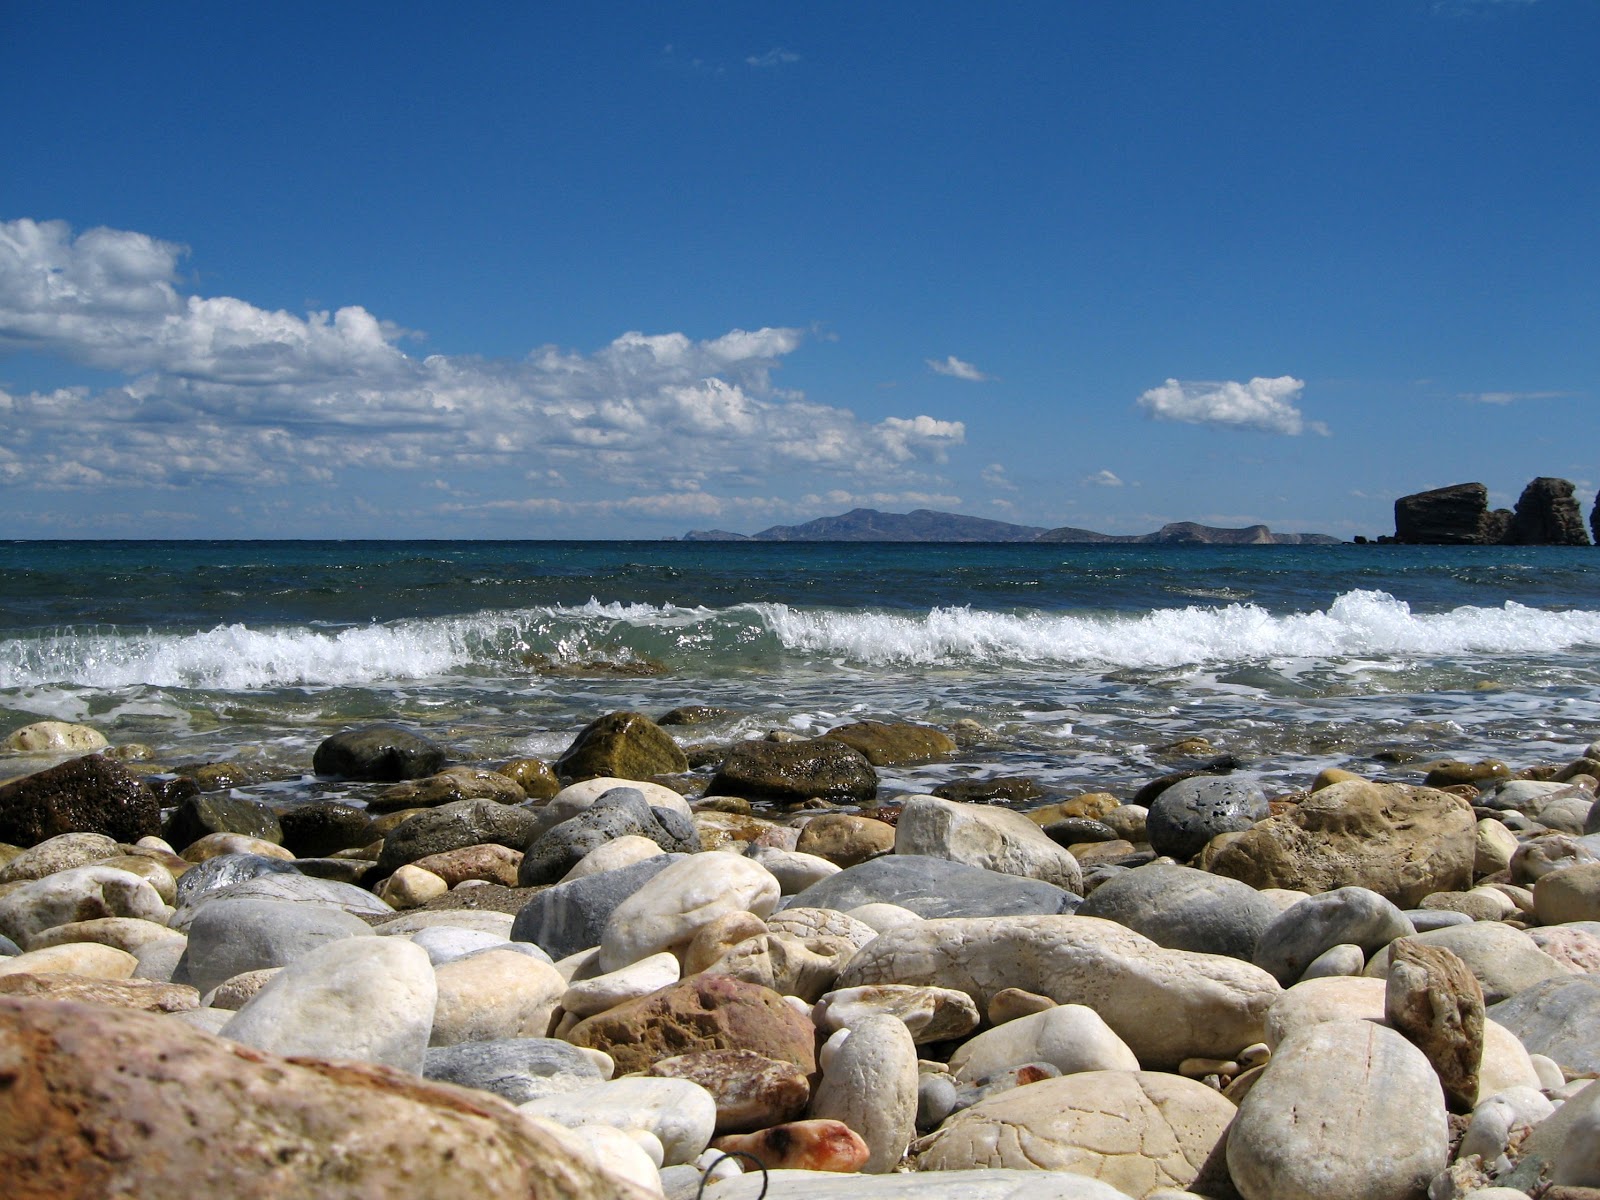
1079,661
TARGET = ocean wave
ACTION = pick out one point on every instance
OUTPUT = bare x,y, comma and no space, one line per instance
1369,626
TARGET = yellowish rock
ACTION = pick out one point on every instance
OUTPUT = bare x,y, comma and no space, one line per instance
75,958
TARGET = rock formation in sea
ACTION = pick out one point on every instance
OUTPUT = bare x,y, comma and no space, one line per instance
1459,515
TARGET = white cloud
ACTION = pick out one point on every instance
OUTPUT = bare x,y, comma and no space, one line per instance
995,476
1510,397
222,390
1102,478
1264,404
957,369
775,57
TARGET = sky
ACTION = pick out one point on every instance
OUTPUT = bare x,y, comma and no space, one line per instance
625,270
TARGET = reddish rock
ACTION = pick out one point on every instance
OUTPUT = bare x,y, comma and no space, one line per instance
488,862
146,995
751,1091
801,1146
101,1103
704,1012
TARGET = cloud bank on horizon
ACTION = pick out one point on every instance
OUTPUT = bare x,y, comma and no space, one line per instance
222,389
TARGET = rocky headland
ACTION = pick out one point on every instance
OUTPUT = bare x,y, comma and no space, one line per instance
600,977
1546,514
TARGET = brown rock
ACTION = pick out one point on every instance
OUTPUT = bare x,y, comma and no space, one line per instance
146,995
622,745
1437,1003
751,1091
92,794
1547,515
1457,515
845,839
793,772
448,786
801,1146
488,862
1450,772
534,777
894,744
704,1012
186,1113
712,941
997,789
1400,841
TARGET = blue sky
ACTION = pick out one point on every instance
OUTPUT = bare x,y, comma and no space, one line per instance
623,270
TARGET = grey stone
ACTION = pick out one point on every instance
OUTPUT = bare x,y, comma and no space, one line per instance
1425,919
1505,960
219,812
1557,1018
229,937
1191,812
8,948
1184,909
383,753
1355,916
621,812
226,869
325,827
453,826
935,887
294,887
515,1069
571,916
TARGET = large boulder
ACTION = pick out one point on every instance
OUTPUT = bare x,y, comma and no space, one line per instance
995,839
1185,909
1401,841
1167,1005
624,745
793,772
1187,815
934,887
103,1102
323,827
1557,1018
887,744
666,913
1136,1130
219,812
93,794
380,753
1457,515
454,826
571,916
1547,515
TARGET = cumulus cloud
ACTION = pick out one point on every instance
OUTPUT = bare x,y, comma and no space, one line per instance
1103,478
957,369
1267,405
219,389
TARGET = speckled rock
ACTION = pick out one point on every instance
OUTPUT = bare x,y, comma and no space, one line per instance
1187,815
383,753
1436,1004
751,1091
93,794
517,1069
52,737
60,853
140,994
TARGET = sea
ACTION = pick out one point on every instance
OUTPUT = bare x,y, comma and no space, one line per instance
1081,664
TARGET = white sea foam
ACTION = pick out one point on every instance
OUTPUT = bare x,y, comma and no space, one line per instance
1361,630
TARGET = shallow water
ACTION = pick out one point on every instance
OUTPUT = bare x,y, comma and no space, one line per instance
1082,661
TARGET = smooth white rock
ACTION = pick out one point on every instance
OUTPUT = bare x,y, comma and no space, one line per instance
621,851
446,943
919,1185
987,836
1493,1120
871,1085
682,1114
370,999
794,870
679,901
883,916
78,894
1070,1037
575,797
597,994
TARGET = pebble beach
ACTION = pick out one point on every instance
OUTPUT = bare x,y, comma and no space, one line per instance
607,975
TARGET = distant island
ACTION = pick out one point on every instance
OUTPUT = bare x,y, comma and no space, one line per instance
925,525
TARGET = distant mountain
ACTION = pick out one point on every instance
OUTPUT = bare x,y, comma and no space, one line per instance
925,525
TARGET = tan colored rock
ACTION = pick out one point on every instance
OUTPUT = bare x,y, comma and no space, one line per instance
160,871
1070,1037
871,1085
145,995
411,887
1400,841
807,967
752,1091
1436,1003
1167,1005
1492,847
494,994
676,903
623,851
979,835
55,737
1010,1003
1138,1131
269,1127
121,933
488,862
1316,1001
712,942
845,839
932,1014
89,959
214,844
826,922
233,994
1568,894
60,853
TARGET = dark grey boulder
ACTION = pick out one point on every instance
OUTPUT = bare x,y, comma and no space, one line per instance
1557,1018
1187,815
621,812
515,1069
934,887
229,937
382,753
1184,909
1547,515
1457,515
218,812
454,826
325,827
8,948
1347,916
793,772
92,794
570,917
223,870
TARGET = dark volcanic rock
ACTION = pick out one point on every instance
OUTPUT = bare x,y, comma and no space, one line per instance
1187,815
452,826
1547,515
791,772
1457,515
325,827
892,744
381,753
215,812
1000,789
86,795
621,745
